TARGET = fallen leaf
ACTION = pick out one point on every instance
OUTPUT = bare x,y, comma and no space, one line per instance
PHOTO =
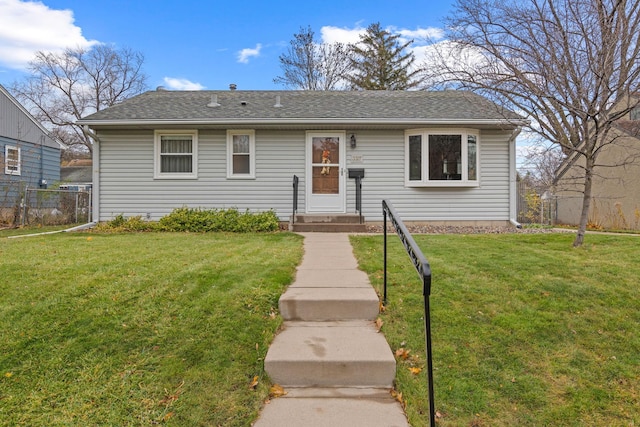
379,324
438,414
168,416
402,353
382,307
277,391
415,371
254,383
8,375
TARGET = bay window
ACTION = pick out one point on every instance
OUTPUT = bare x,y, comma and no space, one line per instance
445,158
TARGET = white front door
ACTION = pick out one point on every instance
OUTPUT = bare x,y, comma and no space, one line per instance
325,172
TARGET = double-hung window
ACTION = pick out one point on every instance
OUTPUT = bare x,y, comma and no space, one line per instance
176,154
12,160
241,154
441,158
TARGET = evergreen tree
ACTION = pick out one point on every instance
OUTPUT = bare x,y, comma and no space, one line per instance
379,62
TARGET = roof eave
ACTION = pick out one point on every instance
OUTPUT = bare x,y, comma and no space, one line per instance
305,121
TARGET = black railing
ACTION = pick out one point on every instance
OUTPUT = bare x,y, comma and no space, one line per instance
359,196
295,198
424,270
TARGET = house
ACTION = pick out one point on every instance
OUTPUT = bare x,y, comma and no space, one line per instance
615,201
445,157
29,155
76,175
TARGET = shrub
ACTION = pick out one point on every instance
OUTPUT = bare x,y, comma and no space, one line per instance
120,223
198,221
231,220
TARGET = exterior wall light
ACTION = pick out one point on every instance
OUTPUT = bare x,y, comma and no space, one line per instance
353,141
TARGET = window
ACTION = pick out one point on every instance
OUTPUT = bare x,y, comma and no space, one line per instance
12,160
635,114
241,154
441,158
176,154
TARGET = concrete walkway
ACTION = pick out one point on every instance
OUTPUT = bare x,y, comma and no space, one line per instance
336,369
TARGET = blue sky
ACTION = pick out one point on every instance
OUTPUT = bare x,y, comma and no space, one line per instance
201,44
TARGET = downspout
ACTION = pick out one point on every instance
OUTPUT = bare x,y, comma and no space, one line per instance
42,183
95,179
513,205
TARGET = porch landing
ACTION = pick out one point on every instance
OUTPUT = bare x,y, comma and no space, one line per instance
328,223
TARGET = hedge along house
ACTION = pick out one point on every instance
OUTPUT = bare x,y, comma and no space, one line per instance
446,157
29,155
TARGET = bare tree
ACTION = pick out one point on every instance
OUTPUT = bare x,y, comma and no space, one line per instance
310,65
63,87
570,65
542,162
380,62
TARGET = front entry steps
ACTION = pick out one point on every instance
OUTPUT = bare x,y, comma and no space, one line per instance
328,223
335,367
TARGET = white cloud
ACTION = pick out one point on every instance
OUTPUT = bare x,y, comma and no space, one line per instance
331,34
245,54
28,27
182,84
420,35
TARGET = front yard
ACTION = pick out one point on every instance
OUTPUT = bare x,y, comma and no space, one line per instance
527,331
143,329
138,329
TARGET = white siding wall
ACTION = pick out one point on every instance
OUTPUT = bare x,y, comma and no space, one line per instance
383,160
127,186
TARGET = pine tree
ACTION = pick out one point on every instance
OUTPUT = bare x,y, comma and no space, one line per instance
379,62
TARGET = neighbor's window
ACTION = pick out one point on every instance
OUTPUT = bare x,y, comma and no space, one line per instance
241,154
12,160
635,114
441,158
176,154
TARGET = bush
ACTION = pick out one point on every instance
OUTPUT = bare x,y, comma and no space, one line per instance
231,220
198,221
120,223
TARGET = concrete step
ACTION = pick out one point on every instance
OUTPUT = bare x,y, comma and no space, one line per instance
321,304
328,227
328,218
333,407
330,354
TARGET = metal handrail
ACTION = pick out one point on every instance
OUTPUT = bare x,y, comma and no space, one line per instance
295,198
424,270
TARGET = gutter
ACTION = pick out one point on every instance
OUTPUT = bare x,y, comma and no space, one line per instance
303,121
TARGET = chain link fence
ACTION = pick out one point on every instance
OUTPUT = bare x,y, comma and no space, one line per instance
535,206
48,207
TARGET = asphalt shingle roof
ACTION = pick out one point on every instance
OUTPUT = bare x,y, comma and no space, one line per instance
237,105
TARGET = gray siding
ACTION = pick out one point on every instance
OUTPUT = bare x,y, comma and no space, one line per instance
127,185
383,160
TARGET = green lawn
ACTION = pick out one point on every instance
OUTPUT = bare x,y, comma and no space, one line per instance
171,328
527,330
138,329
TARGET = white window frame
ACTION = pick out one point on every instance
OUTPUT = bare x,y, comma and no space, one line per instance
12,169
157,171
252,154
424,181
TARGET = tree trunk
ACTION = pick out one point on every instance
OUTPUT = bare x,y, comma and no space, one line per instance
586,203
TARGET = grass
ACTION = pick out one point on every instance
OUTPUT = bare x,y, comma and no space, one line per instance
526,330
138,329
